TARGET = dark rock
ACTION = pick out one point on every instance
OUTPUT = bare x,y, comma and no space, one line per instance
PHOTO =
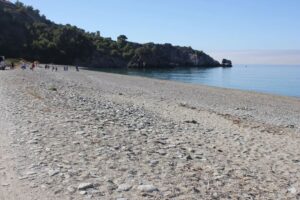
226,63
191,121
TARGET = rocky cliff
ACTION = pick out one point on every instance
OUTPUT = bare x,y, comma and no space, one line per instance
155,55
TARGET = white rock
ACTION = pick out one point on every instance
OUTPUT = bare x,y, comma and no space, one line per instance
147,188
52,172
30,173
71,189
80,133
83,186
292,190
124,187
43,186
153,162
83,192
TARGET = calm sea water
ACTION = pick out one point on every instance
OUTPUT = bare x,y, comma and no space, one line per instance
273,79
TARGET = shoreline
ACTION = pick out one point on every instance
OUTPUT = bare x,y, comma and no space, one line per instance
196,84
220,100
98,135
234,87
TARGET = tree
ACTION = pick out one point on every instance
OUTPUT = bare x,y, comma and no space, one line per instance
122,39
98,34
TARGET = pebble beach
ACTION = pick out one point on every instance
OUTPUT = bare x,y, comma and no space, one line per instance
94,135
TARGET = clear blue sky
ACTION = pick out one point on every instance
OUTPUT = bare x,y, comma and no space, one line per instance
219,27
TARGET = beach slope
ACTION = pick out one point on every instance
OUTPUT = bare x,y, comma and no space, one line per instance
76,135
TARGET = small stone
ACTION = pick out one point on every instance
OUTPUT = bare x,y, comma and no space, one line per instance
290,126
30,173
124,187
147,188
84,186
80,133
57,191
33,185
111,185
83,192
153,163
23,177
215,195
71,189
161,152
292,190
196,190
43,186
32,142
76,142
191,121
53,172
189,157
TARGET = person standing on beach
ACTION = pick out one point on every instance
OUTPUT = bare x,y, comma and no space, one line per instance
12,65
77,68
23,66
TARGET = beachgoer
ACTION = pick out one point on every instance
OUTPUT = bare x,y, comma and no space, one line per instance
77,68
56,69
12,65
32,66
23,66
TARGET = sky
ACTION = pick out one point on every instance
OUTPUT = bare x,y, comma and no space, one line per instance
245,31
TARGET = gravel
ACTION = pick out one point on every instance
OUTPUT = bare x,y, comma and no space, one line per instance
109,136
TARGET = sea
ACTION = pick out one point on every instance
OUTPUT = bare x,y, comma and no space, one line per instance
272,79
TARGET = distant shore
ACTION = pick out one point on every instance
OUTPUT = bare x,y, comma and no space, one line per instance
111,136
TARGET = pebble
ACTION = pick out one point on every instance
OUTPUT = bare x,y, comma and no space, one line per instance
153,163
71,189
83,192
53,172
30,173
80,133
292,190
147,188
124,187
131,145
84,186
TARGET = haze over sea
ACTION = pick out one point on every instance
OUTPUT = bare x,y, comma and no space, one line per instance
272,79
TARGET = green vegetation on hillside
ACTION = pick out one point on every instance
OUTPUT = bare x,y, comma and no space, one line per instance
26,34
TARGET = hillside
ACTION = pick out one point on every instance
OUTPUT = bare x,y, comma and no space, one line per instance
27,34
